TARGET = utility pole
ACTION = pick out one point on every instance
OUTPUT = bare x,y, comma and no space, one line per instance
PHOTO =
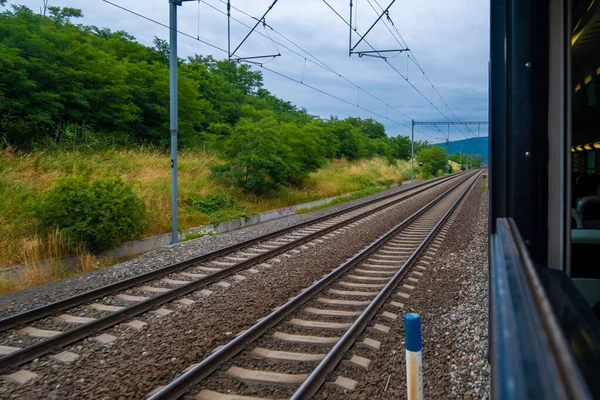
447,156
174,104
412,151
448,151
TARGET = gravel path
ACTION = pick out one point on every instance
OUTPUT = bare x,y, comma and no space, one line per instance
138,361
452,300
13,303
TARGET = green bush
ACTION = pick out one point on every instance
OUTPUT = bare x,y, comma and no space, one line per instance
385,182
100,214
219,206
212,205
433,159
426,171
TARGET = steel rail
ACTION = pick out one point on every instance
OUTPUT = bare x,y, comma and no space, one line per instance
178,387
318,376
81,298
41,348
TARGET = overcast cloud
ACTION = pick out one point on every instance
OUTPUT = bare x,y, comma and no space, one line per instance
450,39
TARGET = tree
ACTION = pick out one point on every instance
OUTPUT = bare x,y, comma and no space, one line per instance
401,147
64,14
3,3
257,158
433,159
162,47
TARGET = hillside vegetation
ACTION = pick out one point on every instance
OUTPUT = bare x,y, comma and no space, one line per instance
84,136
202,200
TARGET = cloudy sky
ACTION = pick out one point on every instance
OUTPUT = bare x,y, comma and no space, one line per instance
448,38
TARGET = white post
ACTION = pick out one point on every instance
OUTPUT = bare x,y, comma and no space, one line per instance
414,363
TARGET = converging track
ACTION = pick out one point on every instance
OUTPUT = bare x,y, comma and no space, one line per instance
44,329
291,352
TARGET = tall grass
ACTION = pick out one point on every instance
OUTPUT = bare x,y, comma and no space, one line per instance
45,259
24,176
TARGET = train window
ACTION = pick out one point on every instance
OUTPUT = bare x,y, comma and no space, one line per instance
575,163
585,140
591,163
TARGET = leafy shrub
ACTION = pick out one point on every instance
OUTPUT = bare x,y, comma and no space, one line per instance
385,182
211,205
196,235
433,159
364,181
426,171
220,206
100,214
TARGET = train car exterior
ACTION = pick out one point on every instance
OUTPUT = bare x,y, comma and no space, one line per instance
544,199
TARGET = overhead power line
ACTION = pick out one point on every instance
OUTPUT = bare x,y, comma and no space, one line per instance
400,40
280,74
307,56
388,63
395,69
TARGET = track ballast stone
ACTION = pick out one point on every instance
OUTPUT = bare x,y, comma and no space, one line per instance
140,360
451,297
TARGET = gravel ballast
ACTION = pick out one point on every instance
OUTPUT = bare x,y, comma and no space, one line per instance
23,300
223,383
452,300
139,361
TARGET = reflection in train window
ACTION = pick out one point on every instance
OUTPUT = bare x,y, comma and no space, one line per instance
585,140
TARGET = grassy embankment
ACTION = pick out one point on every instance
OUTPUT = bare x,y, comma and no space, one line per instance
24,176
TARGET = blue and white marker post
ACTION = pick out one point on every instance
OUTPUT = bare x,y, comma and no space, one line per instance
414,363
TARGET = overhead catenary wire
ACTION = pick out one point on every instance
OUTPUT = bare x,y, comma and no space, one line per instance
402,42
185,34
311,58
394,68
163,25
387,62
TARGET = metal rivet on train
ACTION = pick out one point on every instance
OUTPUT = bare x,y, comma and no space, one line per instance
527,154
528,64
528,242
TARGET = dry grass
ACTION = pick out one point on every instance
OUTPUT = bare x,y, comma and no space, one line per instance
341,176
454,165
48,259
24,176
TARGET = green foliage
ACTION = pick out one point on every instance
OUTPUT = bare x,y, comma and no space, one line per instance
211,205
65,14
196,235
77,87
466,159
257,158
220,207
433,159
101,214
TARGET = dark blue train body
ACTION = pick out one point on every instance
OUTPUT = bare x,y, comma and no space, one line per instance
544,173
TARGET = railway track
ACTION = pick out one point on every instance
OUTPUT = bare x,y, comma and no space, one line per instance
47,328
292,352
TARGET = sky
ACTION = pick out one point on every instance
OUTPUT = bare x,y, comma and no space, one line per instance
449,39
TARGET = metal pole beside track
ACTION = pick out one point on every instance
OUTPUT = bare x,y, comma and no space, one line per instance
412,151
173,114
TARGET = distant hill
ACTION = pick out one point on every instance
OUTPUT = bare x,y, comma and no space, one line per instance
472,146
